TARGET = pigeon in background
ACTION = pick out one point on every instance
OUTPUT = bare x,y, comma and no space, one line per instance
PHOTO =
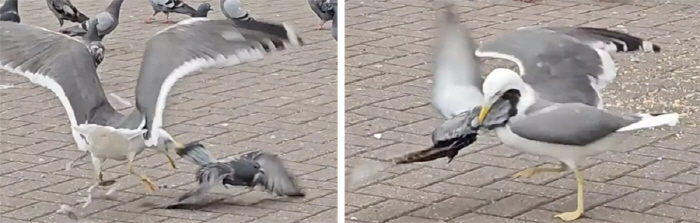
9,12
250,170
64,10
323,9
233,9
334,28
93,42
176,6
107,21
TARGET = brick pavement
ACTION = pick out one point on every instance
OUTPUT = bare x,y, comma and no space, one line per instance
652,177
285,104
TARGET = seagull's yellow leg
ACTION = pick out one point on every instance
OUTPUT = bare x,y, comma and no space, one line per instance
172,162
529,172
147,183
573,215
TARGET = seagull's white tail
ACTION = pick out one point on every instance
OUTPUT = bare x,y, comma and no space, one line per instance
649,121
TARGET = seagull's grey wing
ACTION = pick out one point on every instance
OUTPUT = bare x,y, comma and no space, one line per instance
57,62
457,84
568,124
608,40
275,177
195,44
559,68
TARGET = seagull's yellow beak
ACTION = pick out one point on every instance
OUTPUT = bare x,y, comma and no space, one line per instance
484,111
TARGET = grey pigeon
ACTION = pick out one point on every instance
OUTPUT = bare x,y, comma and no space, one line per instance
250,170
94,42
176,6
334,28
64,10
107,21
323,9
9,12
233,9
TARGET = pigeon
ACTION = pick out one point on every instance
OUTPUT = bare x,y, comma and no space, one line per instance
252,169
233,9
176,6
107,21
9,12
94,42
64,10
323,9
334,28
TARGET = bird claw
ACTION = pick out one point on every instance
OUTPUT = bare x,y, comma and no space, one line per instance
569,216
148,20
148,184
526,173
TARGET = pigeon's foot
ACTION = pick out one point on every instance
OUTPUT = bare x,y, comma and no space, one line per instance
148,20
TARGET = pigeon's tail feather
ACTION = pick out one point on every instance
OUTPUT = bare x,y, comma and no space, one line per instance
82,17
436,152
196,153
74,31
624,42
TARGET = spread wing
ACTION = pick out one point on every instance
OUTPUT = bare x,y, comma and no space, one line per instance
195,44
57,62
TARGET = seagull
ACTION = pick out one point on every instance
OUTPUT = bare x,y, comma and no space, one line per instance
176,6
554,62
64,10
107,21
252,169
66,66
233,9
9,11
568,132
323,10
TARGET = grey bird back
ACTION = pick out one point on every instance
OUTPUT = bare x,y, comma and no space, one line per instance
558,67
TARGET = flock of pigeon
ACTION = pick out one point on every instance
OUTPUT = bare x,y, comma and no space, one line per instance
67,66
553,107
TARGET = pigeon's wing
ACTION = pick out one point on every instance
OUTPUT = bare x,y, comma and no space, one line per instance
277,179
320,7
193,45
105,23
57,62
457,80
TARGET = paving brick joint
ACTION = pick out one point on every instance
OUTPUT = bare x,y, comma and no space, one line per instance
654,176
285,104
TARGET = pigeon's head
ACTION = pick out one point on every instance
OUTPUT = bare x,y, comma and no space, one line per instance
203,10
97,51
